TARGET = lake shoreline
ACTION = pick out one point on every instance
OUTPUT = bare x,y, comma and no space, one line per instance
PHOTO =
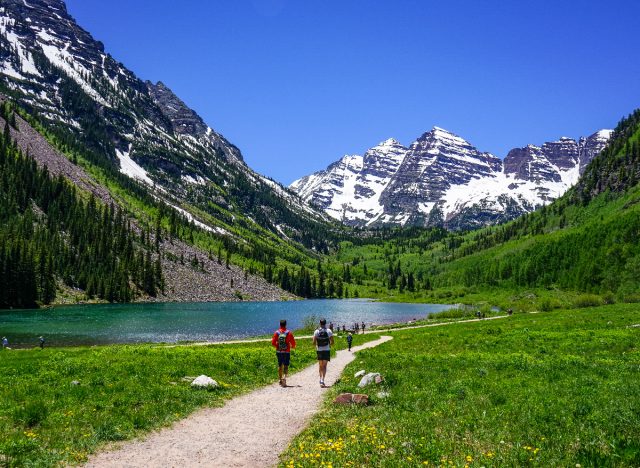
180,323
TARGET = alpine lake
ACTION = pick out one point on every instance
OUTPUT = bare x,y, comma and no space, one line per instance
98,324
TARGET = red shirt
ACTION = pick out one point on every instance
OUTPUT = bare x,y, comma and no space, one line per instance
291,341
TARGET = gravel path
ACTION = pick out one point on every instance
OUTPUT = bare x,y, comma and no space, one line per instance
245,432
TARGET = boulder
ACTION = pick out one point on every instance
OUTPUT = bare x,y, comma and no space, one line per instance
360,399
369,379
204,381
352,398
359,373
344,398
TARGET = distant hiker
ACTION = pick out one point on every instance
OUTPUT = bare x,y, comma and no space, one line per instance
349,340
344,328
510,312
331,326
5,343
41,341
283,341
323,340
356,327
363,327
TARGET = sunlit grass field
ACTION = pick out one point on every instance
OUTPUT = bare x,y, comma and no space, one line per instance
557,388
122,391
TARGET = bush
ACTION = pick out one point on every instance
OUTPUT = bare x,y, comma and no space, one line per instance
546,305
309,324
631,298
608,298
461,311
31,414
587,300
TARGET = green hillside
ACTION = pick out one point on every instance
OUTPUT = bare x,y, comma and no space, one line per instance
238,239
48,231
585,242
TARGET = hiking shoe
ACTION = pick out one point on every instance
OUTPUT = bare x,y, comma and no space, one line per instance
283,382
322,383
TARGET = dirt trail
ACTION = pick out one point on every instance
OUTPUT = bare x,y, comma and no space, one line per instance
245,432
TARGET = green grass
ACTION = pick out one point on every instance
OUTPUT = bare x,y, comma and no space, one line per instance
123,391
552,389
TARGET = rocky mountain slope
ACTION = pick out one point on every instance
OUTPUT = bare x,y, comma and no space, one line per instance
226,232
208,281
441,179
56,70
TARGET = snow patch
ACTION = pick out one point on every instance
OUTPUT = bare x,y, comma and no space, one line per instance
63,59
199,180
131,168
190,217
27,64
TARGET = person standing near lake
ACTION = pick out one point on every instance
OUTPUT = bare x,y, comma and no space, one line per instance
323,340
349,340
283,341
41,341
362,327
5,343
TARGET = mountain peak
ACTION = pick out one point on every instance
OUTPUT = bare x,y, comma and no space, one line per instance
52,4
389,142
435,127
604,133
442,134
387,145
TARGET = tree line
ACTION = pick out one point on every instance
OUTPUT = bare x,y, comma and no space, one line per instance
51,233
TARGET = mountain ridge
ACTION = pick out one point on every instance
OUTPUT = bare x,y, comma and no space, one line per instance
53,67
147,152
443,180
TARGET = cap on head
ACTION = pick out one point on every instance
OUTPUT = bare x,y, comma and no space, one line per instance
283,323
323,322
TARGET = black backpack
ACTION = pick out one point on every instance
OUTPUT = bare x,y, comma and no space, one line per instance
282,340
322,339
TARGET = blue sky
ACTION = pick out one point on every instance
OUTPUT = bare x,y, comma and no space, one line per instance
297,84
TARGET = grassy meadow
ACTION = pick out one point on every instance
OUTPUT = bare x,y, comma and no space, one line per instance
559,388
123,391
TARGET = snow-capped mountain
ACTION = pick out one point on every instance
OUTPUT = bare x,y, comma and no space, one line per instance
353,184
56,70
441,179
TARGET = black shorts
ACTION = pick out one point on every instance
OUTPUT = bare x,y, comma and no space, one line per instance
324,355
283,359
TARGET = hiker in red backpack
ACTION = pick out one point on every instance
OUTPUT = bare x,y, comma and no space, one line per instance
323,340
283,341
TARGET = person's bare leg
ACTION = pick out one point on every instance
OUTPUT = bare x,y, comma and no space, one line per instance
323,371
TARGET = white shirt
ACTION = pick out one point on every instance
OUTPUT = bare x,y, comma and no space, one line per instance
323,348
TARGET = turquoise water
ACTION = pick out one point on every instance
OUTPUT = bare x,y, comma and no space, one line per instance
172,322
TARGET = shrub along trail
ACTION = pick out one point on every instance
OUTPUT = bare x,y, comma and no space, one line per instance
251,430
